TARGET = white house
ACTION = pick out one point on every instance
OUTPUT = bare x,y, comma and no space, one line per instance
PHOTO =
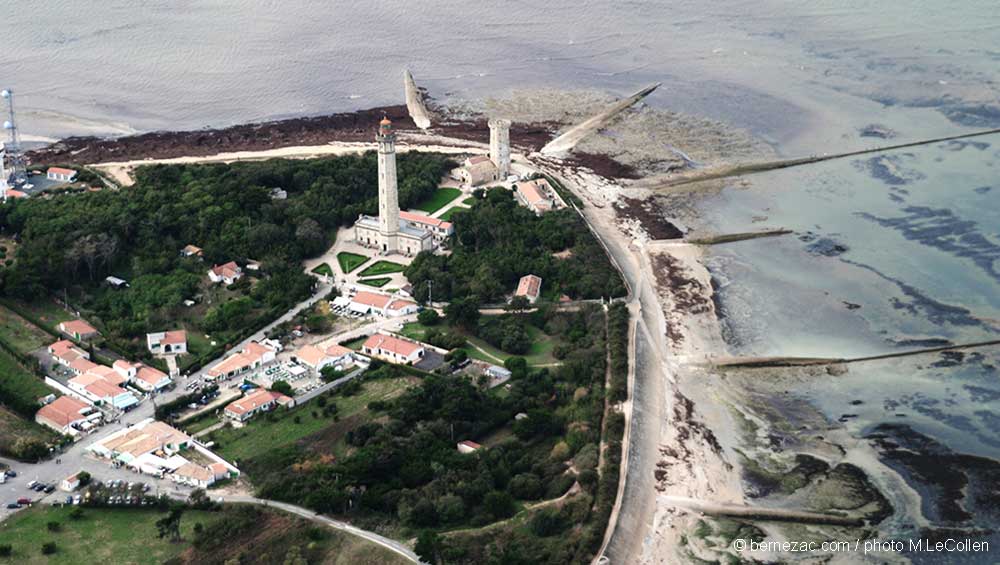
151,379
365,302
226,273
60,174
468,446
102,388
392,349
317,358
253,356
530,287
173,341
64,414
78,329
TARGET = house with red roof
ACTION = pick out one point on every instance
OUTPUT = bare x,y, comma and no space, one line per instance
393,349
441,229
317,357
530,287
227,273
168,342
65,414
60,174
367,302
253,356
538,196
260,400
468,446
78,330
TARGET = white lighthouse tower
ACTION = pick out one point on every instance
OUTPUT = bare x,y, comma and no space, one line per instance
500,146
388,195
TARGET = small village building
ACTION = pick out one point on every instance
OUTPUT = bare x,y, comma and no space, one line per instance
258,401
468,446
192,251
253,356
393,349
168,342
538,196
253,265
103,389
279,194
126,369
367,302
60,174
530,287
440,229
227,273
78,330
409,240
316,357
70,483
151,379
478,170
65,415
65,352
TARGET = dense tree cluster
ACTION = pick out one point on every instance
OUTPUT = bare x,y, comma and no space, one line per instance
73,241
497,241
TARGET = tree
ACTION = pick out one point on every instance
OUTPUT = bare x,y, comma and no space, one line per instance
526,486
499,504
48,548
6,550
428,317
518,304
330,373
282,387
170,525
76,513
428,546
84,478
53,526
463,312
294,556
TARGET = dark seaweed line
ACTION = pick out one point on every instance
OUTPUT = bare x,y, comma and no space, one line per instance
746,169
802,361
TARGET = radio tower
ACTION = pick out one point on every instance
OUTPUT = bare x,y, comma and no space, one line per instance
18,171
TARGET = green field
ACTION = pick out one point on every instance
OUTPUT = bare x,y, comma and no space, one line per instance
19,382
355,343
44,312
469,201
13,427
323,269
382,268
350,261
439,200
262,435
20,334
540,352
101,536
378,282
451,212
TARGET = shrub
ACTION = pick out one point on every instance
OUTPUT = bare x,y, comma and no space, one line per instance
428,317
6,550
49,548
53,526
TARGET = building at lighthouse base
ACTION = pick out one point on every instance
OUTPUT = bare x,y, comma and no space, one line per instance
410,240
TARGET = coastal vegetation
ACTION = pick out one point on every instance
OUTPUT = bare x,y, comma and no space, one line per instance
497,241
70,243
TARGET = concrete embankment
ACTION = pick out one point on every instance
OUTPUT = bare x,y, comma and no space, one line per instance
761,513
741,169
415,102
574,135
733,237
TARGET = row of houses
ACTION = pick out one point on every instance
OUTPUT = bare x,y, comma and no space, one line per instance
69,416
103,385
253,356
157,449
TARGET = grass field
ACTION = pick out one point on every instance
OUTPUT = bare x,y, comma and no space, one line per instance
540,352
350,261
469,201
323,269
439,199
48,313
261,435
19,381
451,212
382,268
101,536
355,343
13,427
377,282
20,334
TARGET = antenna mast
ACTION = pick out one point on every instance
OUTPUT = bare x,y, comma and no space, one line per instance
18,170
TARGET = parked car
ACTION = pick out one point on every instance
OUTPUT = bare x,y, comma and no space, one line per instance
49,489
32,484
13,505
24,501
11,473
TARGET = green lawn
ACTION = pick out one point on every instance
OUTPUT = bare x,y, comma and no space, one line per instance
20,334
469,201
451,212
350,261
101,536
262,435
382,268
540,352
323,269
378,282
20,382
355,343
439,199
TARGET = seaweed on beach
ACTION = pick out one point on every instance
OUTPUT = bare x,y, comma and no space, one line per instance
650,217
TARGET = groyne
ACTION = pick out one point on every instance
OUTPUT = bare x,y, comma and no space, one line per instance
749,362
577,133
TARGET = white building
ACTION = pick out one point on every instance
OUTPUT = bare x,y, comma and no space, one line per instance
393,349
260,400
60,174
226,273
65,415
318,357
385,305
253,356
530,287
174,341
538,196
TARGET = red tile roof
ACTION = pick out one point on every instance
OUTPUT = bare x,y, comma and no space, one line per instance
529,285
63,411
391,344
253,401
60,171
373,299
77,327
426,220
